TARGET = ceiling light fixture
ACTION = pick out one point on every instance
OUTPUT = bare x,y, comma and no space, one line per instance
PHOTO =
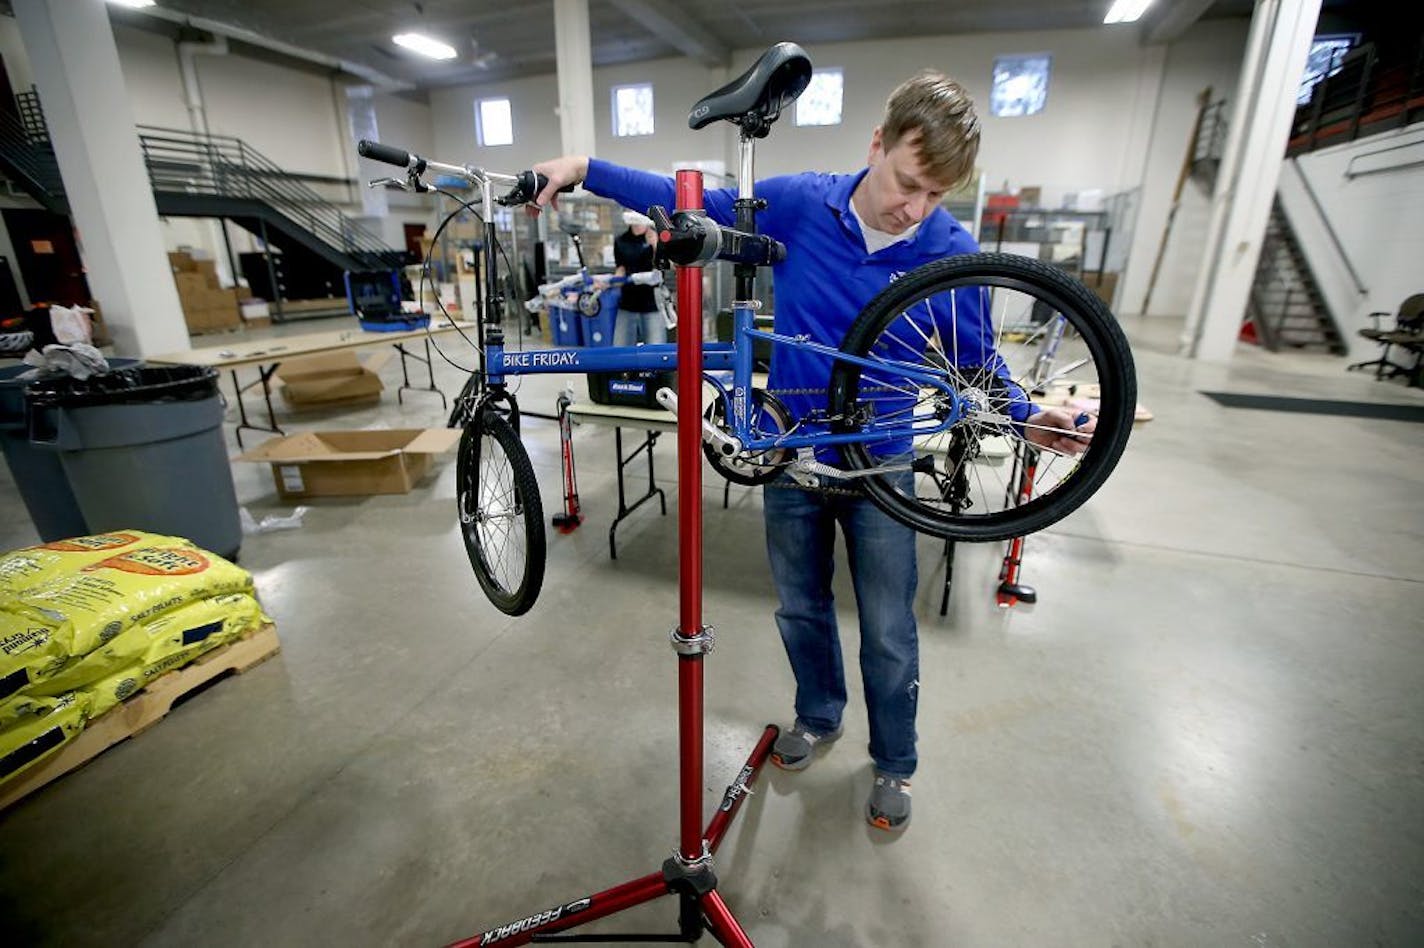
132,4
1126,11
424,45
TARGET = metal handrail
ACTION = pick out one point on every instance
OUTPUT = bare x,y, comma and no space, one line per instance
231,168
36,163
1361,87
182,161
1330,231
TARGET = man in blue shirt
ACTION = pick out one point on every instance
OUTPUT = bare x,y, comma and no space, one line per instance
847,237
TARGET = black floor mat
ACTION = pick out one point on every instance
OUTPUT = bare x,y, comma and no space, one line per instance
1319,406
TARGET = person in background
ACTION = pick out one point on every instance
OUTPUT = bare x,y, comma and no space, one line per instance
639,317
847,236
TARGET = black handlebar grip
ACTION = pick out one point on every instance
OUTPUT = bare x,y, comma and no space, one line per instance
541,182
378,152
528,186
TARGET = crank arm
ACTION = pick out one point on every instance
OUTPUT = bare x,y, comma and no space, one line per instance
723,443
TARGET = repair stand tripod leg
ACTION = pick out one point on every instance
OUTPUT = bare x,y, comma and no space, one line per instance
1011,592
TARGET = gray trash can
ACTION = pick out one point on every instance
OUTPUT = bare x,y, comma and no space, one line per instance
38,473
143,448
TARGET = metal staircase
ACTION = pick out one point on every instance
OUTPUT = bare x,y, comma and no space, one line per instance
1285,306
216,176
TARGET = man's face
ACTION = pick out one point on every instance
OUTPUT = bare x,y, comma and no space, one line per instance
898,191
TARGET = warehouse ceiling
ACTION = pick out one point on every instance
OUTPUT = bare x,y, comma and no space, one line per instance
499,39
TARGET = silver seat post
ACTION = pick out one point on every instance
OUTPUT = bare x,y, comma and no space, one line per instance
746,153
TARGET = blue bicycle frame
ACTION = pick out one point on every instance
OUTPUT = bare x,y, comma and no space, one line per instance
736,357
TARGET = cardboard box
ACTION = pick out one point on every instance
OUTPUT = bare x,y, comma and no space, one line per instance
191,285
211,319
331,379
1104,285
352,463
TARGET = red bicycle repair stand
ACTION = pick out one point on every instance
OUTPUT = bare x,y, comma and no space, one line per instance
688,873
1011,591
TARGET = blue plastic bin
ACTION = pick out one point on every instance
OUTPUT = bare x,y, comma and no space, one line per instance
598,330
566,326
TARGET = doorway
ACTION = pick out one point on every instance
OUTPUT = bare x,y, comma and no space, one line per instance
48,256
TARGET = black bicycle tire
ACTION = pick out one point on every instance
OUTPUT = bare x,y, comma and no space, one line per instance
521,598
1105,341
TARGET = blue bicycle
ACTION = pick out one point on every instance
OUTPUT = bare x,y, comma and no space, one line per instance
930,398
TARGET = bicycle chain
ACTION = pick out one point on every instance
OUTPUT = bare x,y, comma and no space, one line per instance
823,488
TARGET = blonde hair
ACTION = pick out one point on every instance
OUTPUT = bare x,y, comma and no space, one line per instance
940,110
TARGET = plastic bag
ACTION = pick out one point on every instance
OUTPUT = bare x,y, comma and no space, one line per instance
72,325
251,525
79,361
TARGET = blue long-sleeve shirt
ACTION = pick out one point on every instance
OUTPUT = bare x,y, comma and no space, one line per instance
827,276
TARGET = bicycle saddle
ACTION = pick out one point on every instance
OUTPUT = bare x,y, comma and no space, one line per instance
572,228
755,98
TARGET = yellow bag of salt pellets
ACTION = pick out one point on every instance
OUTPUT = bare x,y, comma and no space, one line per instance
45,628
118,686
36,565
161,644
37,728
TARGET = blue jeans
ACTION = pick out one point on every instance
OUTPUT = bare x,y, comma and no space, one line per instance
800,541
631,328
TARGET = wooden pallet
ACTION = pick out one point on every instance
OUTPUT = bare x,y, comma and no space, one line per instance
144,710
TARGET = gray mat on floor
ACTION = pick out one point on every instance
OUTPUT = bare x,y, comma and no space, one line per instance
1319,406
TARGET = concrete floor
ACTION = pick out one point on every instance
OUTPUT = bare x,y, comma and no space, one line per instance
1207,732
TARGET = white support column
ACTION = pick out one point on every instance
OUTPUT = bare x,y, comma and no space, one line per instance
76,67
1276,51
574,51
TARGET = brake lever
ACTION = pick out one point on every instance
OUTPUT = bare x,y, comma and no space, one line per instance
527,186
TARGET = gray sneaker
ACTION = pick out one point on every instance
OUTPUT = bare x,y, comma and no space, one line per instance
792,750
889,805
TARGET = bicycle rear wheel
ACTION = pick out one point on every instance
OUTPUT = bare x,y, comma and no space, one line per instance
1013,337
501,515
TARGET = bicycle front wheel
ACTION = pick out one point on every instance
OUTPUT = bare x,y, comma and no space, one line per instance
501,516
1034,360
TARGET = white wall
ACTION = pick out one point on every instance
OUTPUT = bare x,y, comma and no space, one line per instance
1118,116
150,66
1076,142
1114,108
12,50
1376,218
1209,54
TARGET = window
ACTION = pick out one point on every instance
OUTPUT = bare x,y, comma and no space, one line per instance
1020,85
820,104
494,125
1324,61
633,109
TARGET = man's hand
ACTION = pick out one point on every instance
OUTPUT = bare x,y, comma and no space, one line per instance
1057,430
561,172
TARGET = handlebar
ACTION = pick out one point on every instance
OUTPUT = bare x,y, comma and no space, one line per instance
525,186
378,152
580,280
